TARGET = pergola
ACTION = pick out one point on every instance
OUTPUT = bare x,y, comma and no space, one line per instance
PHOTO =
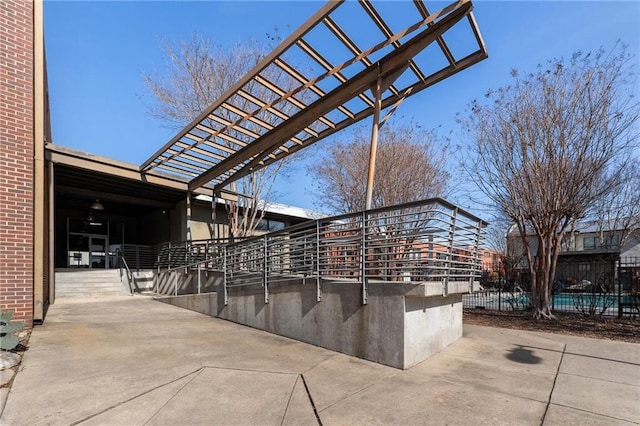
333,71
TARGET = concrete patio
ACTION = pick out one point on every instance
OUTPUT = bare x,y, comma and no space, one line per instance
133,360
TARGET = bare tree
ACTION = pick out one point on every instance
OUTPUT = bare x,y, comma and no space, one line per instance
409,167
510,253
551,144
197,73
617,213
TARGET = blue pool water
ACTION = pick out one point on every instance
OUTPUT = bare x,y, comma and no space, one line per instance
572,300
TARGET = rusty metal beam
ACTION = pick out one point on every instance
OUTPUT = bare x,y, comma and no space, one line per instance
305,28
356,85
430,80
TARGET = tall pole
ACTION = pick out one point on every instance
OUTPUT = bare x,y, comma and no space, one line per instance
374,141
188,215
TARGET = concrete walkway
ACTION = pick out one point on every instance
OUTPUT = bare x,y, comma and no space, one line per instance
135,361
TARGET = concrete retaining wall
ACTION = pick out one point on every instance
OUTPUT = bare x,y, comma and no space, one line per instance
179,282
399,326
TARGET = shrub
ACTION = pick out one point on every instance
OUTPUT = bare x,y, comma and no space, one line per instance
8,340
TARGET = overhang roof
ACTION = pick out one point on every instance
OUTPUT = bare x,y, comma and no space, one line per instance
318,81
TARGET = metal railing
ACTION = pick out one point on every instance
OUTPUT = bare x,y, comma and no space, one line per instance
207,265
175,254
122,264
425,241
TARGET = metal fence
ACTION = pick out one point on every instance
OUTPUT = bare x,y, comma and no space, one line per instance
597,285
426,241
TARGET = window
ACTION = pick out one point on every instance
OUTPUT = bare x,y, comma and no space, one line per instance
270,225
589,243
607,242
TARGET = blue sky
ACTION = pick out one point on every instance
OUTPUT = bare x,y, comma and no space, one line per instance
97,52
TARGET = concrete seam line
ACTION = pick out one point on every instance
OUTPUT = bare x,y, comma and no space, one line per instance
332,356
362,389
601,380
313,404
251,370
635,364
195,373
286,408
594,413
555,379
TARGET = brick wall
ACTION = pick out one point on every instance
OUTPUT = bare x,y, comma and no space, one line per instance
16,158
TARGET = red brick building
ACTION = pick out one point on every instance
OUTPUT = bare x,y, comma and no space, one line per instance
22,169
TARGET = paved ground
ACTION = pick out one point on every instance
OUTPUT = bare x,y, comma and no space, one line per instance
135,361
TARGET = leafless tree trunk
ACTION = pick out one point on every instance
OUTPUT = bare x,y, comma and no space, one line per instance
510,253
409,167
197,73
549,146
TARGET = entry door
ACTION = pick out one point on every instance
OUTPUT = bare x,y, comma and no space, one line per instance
98,253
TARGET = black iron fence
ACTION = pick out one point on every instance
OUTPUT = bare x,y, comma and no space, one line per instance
599,285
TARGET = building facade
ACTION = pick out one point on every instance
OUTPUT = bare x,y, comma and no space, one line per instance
66,210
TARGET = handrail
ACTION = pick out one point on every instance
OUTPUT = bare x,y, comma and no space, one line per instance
191,265
423,241
180,254
130,277
186,267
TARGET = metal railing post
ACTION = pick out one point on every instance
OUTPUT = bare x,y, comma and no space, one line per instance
175,284
616,280
476,258
186,256
318,278
452,230
363,258
198,278
206,257
265,272
224,275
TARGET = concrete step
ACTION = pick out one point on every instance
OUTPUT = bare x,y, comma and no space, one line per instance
89,283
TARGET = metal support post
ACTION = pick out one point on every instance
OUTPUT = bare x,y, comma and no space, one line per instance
206,258
224,275
452,230
198,278
476,258
318,278
186,257
363,259
186,243
377,91
266,272
175,284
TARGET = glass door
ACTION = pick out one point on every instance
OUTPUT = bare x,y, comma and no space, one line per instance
88,251
78,253
98,257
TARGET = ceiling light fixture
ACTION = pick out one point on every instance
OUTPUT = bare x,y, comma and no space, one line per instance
97,205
